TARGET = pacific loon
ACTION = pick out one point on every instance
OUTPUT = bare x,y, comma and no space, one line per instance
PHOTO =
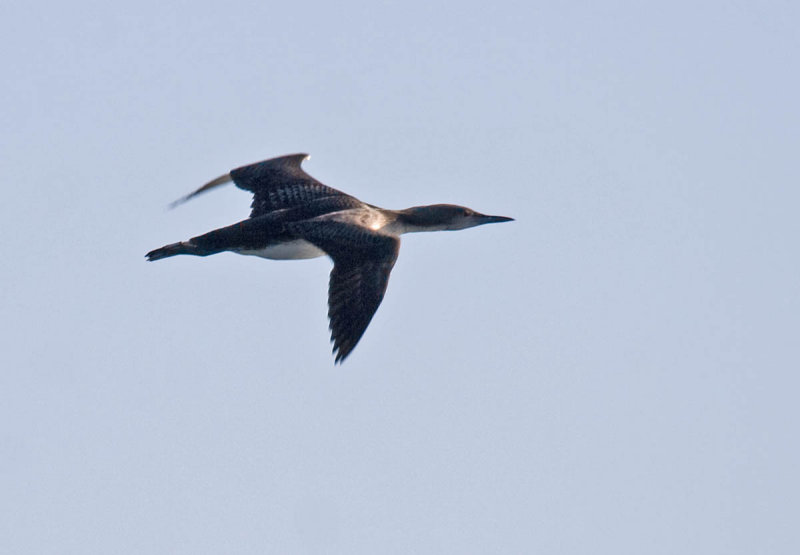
294,216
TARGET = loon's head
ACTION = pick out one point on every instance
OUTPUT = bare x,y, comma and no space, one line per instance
440,217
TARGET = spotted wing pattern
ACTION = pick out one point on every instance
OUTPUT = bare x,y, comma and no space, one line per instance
277,184
362,262
280,183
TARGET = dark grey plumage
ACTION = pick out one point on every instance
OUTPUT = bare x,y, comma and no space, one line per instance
295,216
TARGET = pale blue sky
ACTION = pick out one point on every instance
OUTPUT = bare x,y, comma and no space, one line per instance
615,372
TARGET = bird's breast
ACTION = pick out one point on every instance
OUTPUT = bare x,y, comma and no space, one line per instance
295,249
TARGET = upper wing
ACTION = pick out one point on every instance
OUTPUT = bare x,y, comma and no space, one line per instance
362,262
276,184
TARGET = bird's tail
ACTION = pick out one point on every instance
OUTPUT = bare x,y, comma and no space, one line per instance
171,250
232,237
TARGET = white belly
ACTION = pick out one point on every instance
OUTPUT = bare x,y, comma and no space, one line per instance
290,250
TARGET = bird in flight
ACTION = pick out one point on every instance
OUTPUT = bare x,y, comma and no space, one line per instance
294,216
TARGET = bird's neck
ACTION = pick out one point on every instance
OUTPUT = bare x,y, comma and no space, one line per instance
413,220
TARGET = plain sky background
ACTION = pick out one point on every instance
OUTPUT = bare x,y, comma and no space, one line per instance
615,372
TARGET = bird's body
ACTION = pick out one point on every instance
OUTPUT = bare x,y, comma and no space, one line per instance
294,216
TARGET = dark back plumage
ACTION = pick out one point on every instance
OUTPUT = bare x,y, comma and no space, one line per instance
293,211
280,183
362,261
277,184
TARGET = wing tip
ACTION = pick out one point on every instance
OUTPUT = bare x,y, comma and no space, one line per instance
176,203
342,348
221,180
340,358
